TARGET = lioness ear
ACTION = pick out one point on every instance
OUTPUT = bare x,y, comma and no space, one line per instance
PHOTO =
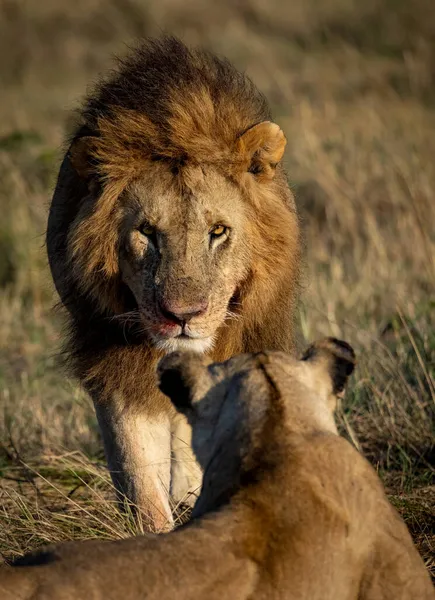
263,147
80,155
182,376
336,358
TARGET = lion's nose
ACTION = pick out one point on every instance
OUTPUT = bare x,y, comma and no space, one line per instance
182,313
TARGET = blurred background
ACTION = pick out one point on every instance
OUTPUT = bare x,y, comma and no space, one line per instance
353,86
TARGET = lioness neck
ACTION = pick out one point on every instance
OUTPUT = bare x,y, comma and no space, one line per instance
270,467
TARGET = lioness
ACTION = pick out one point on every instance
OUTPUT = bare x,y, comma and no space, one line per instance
287,510
172,227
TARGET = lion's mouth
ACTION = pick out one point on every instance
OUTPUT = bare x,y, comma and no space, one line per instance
171,337
168,330
169,334
183,336
182,341
174,328
177,332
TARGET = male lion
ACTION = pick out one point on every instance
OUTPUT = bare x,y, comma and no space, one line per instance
172,227
287,510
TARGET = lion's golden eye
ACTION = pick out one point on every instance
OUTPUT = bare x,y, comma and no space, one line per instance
218,231
147,230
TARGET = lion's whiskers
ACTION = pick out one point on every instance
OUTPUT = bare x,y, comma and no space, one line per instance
131,316
233,316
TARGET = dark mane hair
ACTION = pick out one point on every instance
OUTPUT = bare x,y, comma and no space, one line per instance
180,103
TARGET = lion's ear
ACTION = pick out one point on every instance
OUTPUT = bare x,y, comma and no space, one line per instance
262,146
80,155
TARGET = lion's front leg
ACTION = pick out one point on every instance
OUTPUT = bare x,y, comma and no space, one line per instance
138,452
186,475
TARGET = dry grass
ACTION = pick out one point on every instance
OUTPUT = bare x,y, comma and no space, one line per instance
353,85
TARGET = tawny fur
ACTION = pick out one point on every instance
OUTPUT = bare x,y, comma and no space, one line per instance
288,509
178,138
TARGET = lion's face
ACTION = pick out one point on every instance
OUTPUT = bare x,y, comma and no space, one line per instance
183,253
194,243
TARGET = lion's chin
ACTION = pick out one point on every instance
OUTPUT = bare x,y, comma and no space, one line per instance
183,343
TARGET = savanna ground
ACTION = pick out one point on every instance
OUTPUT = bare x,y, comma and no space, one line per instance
353,85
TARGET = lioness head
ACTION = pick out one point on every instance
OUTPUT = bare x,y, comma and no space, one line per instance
234,403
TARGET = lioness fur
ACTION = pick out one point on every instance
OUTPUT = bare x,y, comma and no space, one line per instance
172,227
288,509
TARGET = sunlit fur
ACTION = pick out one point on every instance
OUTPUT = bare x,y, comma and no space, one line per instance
180,137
